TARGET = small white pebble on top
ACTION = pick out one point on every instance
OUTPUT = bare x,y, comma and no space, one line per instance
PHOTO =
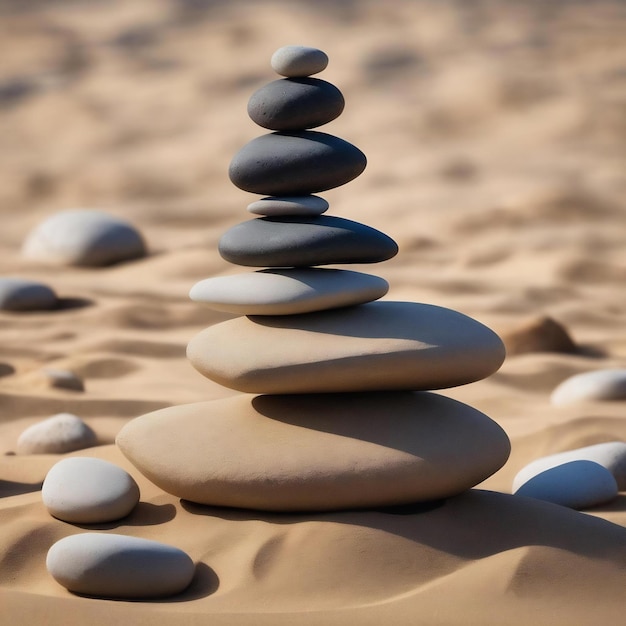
298,61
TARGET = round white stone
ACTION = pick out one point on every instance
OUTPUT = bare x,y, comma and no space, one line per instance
574,484
289,291
117,566
298,61
603,385
84,238
56,435
18,294
289,205
611,455
84,490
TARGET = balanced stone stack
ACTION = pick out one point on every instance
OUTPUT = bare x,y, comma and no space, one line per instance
335,410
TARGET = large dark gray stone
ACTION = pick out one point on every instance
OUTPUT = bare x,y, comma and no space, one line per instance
292,241
295,104
295,163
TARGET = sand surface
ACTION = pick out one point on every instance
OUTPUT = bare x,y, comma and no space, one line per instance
495,136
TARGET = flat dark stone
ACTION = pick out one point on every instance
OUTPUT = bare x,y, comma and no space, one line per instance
295,163
295,104
292,241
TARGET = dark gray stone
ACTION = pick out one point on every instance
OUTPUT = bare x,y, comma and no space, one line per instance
295,163
295,104
291,241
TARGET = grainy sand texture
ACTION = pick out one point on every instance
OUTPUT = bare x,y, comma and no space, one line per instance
495,134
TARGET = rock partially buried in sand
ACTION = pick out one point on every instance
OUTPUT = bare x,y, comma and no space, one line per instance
574,484
295,163
538,335
316,452
84,490
380,345
18,294
84,238
293,61
58,434
118,566
289,205
288,241
295,104
602,385
611,455
289,291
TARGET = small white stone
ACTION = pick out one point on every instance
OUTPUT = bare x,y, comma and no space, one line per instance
611,455
118,566
603,385
62,379
83,238
289,205
18,294
575,484
58,434
298,61
84,490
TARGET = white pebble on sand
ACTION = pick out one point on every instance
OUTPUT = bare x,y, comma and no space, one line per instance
611,455
85,490
119,566
58,434
18,294
603,385
575,484
62,379
83,238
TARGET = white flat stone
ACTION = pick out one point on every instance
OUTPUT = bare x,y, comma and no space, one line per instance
316,452
83,238
289,205
602,385
380,345
574,484
288,291
85,490
58,434
117,566
298,61
611,455
18,294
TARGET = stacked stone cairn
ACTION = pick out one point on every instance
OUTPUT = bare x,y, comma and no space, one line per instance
335,410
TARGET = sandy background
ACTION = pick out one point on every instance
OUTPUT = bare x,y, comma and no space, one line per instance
496,140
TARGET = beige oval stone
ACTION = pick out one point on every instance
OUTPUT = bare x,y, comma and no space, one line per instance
375,346
316,452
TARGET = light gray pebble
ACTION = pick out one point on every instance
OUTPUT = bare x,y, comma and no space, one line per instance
289,205
58,434
84,238
296,61
574,484
19,294
611,455
119,566
603,385
84,490
62,379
